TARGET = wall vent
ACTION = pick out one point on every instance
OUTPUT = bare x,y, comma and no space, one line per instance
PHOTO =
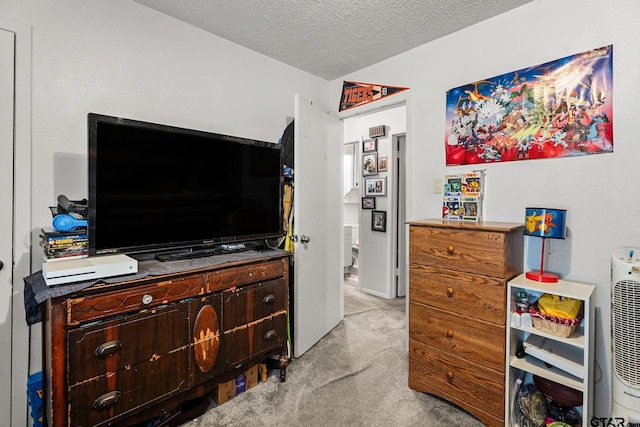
376,131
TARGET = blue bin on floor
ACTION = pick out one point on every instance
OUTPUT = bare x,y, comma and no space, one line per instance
34,392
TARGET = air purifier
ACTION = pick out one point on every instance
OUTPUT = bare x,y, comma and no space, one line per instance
625,334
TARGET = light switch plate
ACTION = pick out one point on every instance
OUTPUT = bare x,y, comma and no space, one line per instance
437,186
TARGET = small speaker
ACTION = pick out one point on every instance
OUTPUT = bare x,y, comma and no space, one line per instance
376,131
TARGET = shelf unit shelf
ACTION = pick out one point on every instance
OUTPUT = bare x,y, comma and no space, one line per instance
537,367
581,338
576,339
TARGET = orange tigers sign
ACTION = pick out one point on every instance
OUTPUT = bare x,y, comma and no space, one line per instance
355,94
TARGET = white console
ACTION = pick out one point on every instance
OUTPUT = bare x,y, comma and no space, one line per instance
77,270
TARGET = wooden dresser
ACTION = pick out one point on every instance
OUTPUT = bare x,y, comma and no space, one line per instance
124,353
458,277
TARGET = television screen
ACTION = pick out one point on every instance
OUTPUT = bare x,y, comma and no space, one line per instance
154,187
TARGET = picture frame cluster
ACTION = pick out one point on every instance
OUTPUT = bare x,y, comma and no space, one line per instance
374,184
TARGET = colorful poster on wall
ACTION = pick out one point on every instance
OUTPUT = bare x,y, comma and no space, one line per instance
558,109
355,94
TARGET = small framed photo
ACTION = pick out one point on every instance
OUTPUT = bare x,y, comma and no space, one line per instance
375,186
369,145
379,220
368,203
370,164
382,163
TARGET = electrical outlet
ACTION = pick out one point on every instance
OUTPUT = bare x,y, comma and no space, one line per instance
437,186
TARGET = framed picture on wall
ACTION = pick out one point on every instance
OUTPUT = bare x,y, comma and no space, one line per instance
369,145
370,164
379,221
368,203
375,186
382,163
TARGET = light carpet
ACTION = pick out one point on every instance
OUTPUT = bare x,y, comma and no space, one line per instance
355,376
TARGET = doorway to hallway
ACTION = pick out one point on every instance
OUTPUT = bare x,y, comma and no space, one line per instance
376,193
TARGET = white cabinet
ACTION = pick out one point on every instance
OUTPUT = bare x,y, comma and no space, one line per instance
580,342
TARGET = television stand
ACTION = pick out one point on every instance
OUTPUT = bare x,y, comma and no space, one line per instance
121,354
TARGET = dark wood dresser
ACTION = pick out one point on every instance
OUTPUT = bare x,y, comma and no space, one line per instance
124,353
458,273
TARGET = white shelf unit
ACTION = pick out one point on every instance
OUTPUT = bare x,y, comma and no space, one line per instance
581,338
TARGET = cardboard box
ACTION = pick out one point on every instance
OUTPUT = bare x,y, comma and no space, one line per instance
251,375
226,391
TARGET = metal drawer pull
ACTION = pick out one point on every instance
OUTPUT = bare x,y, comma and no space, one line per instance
269,299
450,292
450,249
270,335
107,399
108,348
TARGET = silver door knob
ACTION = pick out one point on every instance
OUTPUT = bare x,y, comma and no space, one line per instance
304,239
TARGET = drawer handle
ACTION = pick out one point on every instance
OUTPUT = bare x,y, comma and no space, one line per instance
270,335
450,249
107,399
450,292
146,299
269,299
108,348
449,333
450,375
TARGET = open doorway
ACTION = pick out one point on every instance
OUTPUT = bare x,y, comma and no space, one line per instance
374,202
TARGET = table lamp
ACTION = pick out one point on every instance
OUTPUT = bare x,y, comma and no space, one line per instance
547,224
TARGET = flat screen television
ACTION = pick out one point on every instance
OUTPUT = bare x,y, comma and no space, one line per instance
156,188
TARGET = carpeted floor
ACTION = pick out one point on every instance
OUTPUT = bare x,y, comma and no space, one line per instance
355,376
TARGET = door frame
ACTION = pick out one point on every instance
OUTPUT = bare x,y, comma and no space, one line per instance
403,98
21,341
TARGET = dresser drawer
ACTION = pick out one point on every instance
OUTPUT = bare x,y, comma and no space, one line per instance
473,251
263,299
237,276
248,340
113,346
95,307
465,383
458,335
477,296
102,400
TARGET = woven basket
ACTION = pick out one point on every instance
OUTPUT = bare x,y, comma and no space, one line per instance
552,324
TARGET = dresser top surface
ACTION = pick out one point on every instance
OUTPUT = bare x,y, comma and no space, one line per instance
471,225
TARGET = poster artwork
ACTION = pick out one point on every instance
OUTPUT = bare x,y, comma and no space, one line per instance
558,109
355,94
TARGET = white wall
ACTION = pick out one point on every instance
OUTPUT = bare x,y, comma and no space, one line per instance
376,268
598,191
121,58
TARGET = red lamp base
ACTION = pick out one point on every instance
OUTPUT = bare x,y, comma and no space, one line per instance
542,277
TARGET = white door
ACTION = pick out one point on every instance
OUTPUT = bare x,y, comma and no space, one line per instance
6,218
317,203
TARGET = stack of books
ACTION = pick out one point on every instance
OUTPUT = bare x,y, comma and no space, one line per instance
61,245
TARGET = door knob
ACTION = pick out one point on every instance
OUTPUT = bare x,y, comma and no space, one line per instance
304,239
1,265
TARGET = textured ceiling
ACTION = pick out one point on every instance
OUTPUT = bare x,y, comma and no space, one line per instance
331,38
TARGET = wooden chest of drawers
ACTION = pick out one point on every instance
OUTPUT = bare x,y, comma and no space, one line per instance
119,354
457,285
